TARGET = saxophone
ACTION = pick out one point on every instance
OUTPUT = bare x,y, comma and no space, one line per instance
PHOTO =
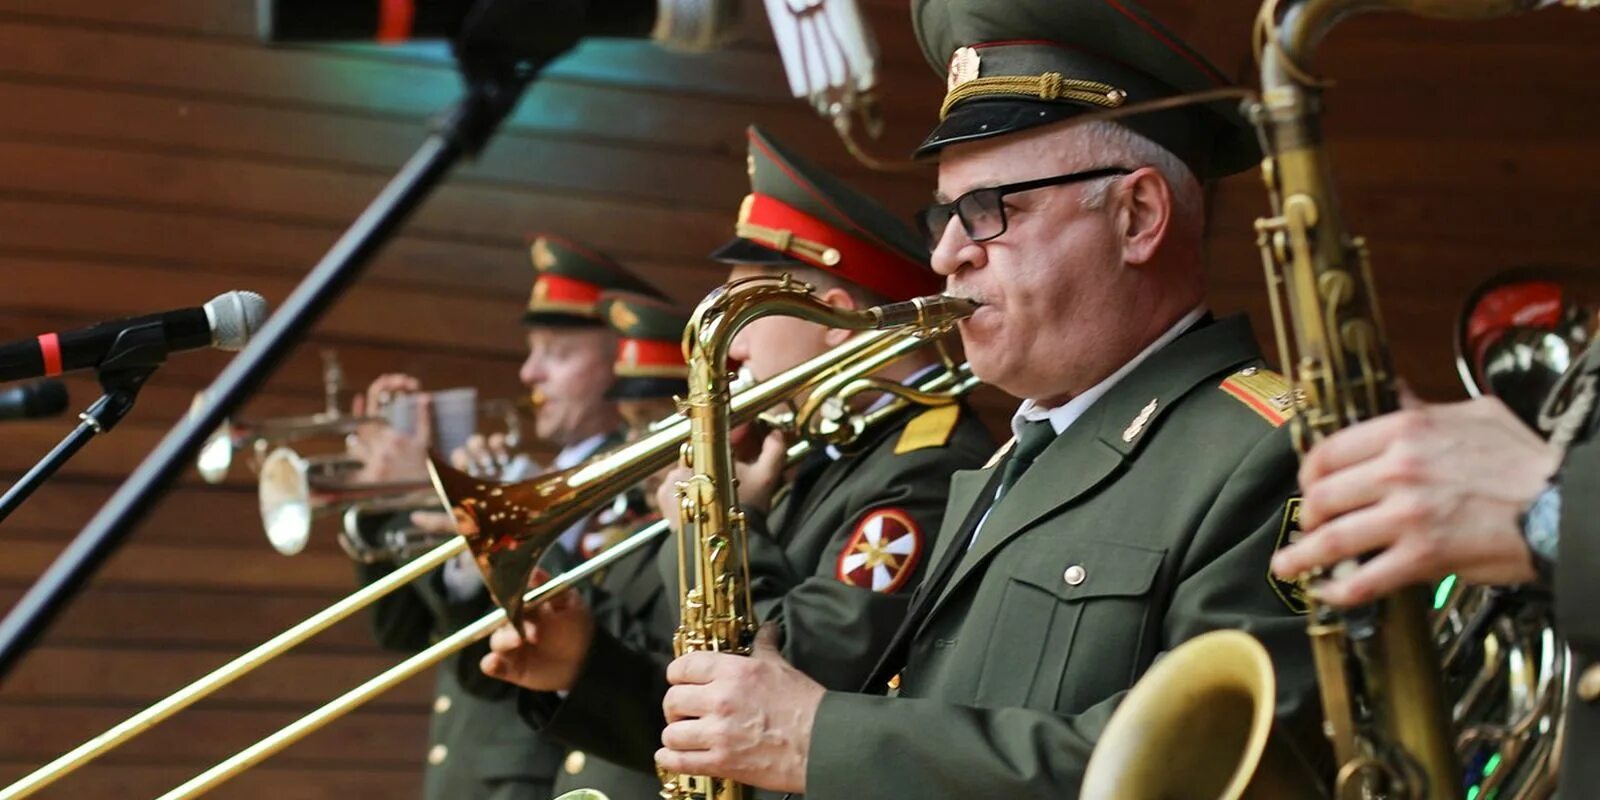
713,566
1378,666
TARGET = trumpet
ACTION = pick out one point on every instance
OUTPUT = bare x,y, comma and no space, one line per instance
295,490
582,489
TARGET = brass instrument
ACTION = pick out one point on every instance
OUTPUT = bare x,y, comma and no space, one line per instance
509,526
258,437
293,491
713,565
1517,334
579,486
1377,666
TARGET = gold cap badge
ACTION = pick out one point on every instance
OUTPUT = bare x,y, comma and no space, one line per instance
963,67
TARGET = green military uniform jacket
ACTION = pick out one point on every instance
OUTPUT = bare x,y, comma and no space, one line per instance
1577,596
1151,519
833,631
478,748
629,603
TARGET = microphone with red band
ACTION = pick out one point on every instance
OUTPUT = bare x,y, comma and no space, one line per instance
694,25
226,323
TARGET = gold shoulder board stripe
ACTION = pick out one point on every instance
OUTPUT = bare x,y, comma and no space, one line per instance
931,428
1265,392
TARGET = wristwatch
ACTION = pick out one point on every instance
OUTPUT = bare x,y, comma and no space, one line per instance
1541,528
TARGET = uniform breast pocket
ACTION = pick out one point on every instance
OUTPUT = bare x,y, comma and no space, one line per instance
1069,625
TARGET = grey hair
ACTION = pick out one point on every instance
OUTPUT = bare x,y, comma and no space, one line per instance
1107,143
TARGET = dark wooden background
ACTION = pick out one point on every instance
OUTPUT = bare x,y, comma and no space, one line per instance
153,154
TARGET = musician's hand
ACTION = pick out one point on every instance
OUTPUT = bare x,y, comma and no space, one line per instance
1438,488
759,479
387,455
549,653
482,456
745,719
667,495
433,523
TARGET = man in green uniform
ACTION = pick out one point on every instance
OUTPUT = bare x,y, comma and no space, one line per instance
1150,478
836,551
1467,489
629,599
478,746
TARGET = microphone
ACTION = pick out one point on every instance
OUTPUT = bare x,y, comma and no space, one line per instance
226,323
533,26
42,399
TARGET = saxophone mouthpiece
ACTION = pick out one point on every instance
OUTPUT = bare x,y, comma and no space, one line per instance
927,312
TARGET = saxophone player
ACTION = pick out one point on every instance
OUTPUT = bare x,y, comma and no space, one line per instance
478,747
1469,489
837,546
1151,475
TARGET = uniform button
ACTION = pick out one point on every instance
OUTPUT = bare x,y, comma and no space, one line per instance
437,754
574,762
441,704
1074,575
1589,684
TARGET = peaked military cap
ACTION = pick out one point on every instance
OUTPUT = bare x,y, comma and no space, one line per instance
650,360
1016,64
798,214
568,280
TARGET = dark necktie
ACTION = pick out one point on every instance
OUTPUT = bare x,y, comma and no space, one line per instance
1032,440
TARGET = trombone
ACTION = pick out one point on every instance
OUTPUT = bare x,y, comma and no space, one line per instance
572,493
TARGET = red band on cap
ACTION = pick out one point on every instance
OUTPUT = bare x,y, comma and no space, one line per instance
648,355
882,271
50,351
561,290
395,18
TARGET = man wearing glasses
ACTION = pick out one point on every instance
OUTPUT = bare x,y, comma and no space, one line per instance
1151,477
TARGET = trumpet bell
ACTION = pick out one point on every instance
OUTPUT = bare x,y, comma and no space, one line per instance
284,491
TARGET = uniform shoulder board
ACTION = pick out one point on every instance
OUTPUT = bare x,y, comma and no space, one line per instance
1263,391
931,428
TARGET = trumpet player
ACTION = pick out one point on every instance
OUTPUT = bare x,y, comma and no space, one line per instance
838,544
1150,478
478,747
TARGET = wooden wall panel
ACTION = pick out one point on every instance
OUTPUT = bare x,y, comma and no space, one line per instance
153,154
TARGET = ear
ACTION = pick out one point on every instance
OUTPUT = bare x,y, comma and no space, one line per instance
1144,211
841,299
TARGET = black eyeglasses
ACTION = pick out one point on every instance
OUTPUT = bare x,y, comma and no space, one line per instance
982,212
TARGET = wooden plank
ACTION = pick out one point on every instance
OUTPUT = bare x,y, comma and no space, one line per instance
87,117
57,673
210,567
45,229
321,197
124,617
373,739
272,781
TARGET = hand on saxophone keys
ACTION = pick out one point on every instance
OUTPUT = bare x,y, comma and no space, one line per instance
744,718
547,649
1438,489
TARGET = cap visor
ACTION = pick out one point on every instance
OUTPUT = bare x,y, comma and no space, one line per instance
744,251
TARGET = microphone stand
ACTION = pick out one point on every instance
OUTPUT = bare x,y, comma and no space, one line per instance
133,357
497,69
